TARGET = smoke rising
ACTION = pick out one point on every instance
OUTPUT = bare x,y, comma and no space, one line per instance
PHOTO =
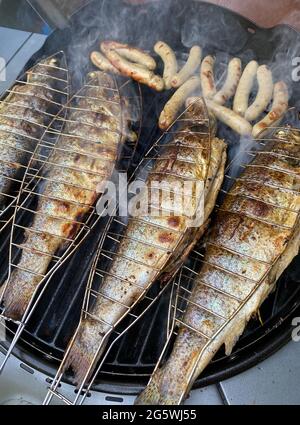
183,24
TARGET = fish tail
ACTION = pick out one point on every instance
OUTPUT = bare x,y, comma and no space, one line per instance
170,383
24,280
79,360
85,351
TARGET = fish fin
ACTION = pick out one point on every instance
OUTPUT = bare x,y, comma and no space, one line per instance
183,253
161,390
85,352
170,383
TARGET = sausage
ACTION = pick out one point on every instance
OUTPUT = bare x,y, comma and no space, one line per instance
103,63
133,54
169,59
264,95
241,98
191,99
129,69
207,77
278,109
172,107
230,118
189,68
234,72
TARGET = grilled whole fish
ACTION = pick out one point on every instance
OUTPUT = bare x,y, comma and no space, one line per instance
22,117
152,245
254,238
83,159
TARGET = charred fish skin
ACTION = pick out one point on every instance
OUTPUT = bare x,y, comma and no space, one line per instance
83,159
254,238
22,119
151,244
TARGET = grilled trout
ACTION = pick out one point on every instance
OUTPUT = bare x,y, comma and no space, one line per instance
83,159
22,119
152,244
254,237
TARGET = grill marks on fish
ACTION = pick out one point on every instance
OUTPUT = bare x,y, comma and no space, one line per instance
152,246
250,245
22,123
249,236
77,166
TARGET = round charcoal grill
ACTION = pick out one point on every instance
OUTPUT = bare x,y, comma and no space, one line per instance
133,357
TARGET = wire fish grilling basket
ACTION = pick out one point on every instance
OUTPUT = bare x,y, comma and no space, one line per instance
26,110
80,121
